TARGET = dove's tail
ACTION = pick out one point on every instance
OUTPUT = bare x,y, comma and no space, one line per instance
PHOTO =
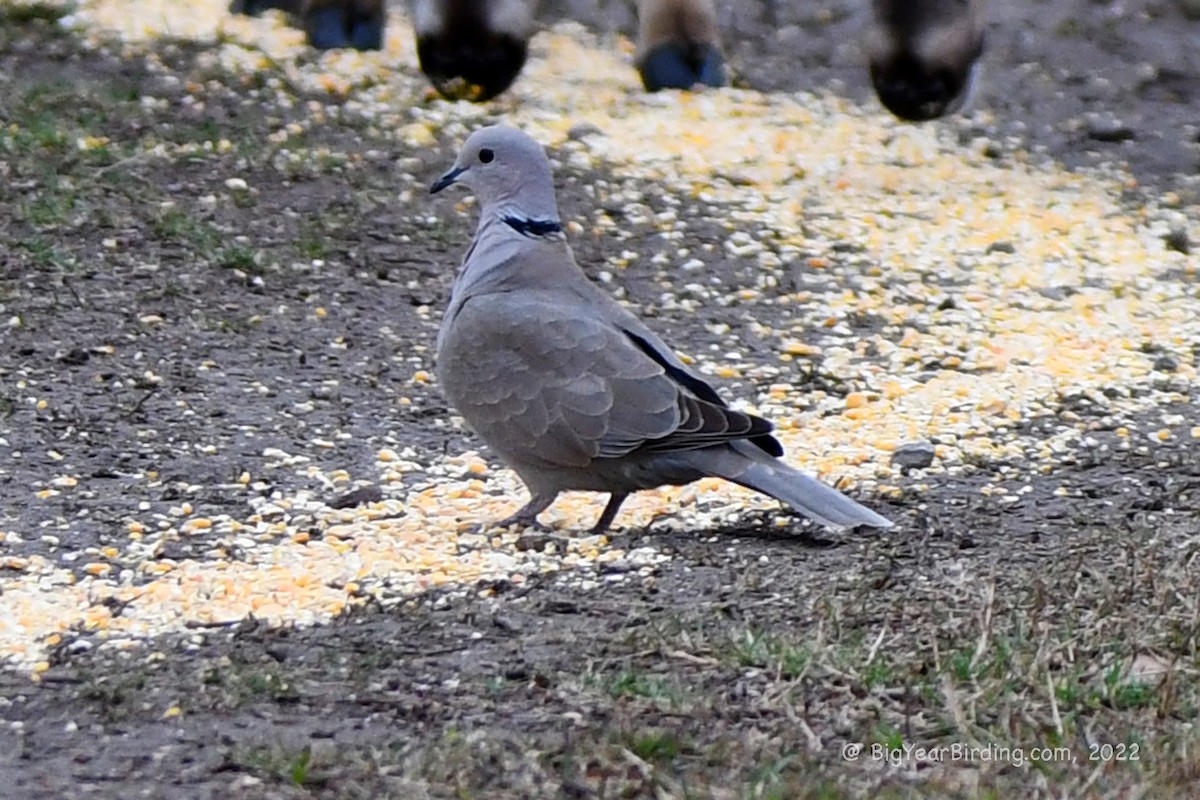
824,504
809,496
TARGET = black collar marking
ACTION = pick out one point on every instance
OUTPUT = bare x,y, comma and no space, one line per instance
534,227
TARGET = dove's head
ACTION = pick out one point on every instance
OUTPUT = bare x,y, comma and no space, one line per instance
508,172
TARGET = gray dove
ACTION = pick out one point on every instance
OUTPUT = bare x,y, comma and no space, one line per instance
570,389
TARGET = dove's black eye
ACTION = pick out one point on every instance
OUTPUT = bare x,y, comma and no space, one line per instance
486,155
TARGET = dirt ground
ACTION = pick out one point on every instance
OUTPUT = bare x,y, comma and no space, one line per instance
741,668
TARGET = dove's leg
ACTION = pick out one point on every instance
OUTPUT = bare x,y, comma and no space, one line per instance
526,515
610,512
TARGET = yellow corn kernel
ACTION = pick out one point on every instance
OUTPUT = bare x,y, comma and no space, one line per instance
796,348
195,525
856,400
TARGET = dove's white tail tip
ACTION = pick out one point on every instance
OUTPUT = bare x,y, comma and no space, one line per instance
809,496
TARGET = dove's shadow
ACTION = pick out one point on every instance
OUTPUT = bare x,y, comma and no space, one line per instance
759,525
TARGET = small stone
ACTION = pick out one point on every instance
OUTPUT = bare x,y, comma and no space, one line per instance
1177,239
359,497
536,541
1166,364
914,455
617,567
1002,247
1105,127
582,130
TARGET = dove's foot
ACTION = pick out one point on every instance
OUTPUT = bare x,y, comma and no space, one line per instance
682,66
526,515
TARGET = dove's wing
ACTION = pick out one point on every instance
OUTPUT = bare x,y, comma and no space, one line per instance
563,388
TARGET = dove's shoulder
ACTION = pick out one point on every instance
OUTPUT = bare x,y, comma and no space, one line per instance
532,320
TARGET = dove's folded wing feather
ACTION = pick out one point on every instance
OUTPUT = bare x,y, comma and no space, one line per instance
563,389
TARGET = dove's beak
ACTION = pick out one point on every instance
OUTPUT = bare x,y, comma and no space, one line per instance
447,179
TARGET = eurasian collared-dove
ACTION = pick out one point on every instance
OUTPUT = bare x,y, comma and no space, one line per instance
329,24
924,54
472,49
679,44
566,386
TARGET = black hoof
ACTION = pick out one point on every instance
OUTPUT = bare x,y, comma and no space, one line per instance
916,94
252,8
330,27
680,66
471,70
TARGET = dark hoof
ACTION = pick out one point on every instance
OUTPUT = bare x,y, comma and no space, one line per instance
471,70
367,34
679,66
916,94
252,8
326,28
330,27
